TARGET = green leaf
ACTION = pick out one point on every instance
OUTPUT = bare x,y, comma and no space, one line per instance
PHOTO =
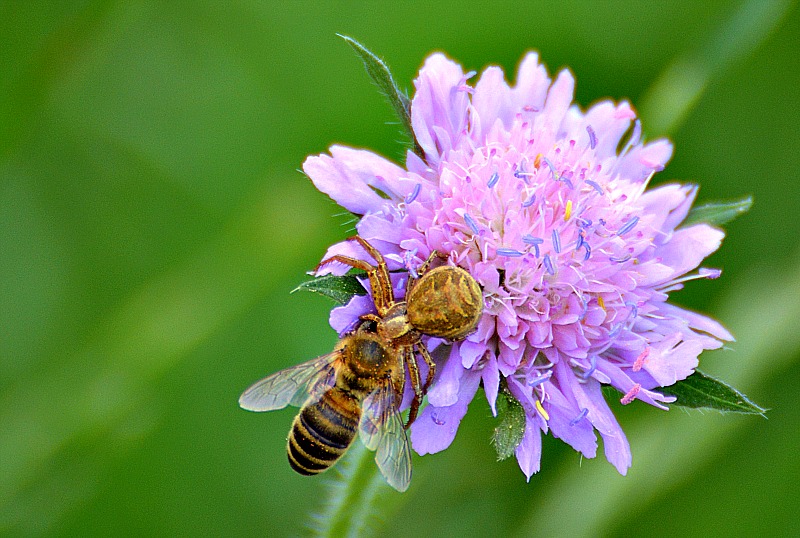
701,391
718,213
339,288
508,434
380,74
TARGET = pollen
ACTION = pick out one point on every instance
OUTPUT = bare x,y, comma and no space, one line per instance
601,302
568,211
538,160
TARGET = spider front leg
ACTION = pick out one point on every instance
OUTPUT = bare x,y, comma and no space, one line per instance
421,270
379,280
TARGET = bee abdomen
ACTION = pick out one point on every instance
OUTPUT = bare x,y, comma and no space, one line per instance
322,432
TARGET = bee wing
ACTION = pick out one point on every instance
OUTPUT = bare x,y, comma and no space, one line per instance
292,386
381,428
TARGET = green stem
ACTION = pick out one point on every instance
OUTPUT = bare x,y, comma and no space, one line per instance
351,495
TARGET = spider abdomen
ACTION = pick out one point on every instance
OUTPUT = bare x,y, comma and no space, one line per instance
446,302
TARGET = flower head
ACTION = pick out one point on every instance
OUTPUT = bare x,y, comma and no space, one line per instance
575,257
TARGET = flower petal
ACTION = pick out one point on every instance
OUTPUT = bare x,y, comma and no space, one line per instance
439,107
436,427
529,450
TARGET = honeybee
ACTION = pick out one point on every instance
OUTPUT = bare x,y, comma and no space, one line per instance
358,387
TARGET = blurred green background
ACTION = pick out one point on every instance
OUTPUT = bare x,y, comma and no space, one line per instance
152,224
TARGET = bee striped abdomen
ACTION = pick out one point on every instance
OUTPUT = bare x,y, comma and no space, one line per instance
322,432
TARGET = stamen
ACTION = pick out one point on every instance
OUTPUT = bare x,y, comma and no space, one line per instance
631,394
471,223
628,226
588,250
583,223
616,259
556,242
640,360
537,161
615,331
529,202
709,273
568,211
592,367
535,241
548,264
634,309
536,381
579,243
580,417
509,252
493,180
552,168
592,137
413,196
541,410
584,307
703,272
594,185
601,302
408,258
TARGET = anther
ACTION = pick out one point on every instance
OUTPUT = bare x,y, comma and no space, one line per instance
471,223
548,264
592,137
541,410
493,180
509,252
580,417
568,210
631,394
536,381
552,168
594,185
640,360
535,241
588,249
628,226
413,196
592,367
556,242
530,201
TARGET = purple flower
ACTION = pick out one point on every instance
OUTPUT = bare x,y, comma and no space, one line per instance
576,258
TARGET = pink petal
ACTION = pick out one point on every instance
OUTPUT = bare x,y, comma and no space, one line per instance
346,176
529,450
436,427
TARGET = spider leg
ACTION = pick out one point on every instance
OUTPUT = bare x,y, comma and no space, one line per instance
419,393
420,271
384,282
379,280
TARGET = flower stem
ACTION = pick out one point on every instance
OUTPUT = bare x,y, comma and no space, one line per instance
351,495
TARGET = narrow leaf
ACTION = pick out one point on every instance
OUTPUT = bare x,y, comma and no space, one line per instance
339,288
718,213
380,74
701,391
508,434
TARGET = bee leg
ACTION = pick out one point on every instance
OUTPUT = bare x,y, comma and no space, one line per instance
431,366
413,371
